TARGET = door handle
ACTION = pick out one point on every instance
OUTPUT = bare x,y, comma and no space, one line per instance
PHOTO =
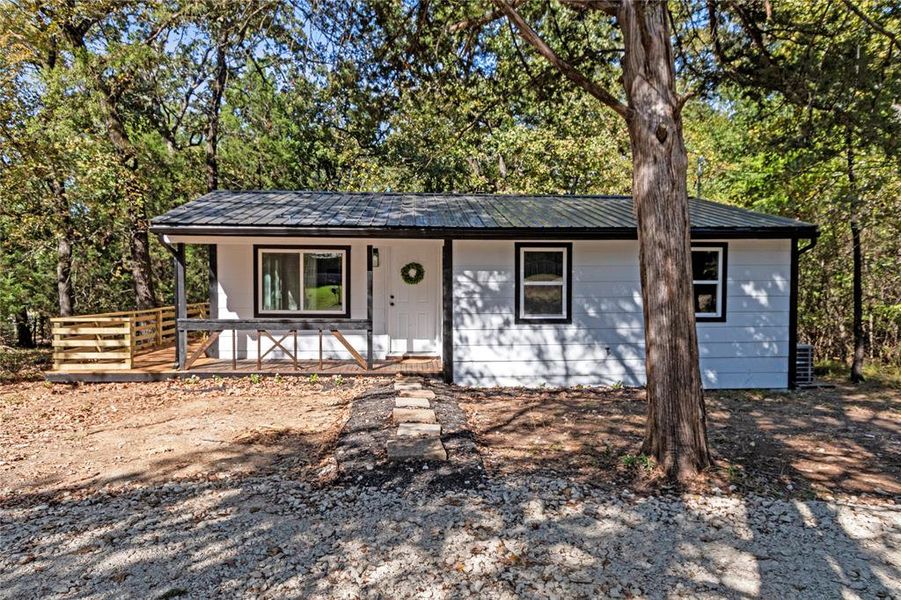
391,304
391,296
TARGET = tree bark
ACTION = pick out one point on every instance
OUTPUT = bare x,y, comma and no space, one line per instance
676,432
859,354
63,250
212,129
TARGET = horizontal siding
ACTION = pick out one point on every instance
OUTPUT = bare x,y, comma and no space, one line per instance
540,351
605,342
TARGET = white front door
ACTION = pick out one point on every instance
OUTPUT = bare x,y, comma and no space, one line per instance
413,310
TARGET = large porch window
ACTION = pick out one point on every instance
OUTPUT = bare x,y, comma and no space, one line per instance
304,280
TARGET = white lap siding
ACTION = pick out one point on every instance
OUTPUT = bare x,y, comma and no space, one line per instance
604,344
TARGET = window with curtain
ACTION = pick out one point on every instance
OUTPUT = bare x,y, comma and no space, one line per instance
302,281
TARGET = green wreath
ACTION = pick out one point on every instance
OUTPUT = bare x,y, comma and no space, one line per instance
412,273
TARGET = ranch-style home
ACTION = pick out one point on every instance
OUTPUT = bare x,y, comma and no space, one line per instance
483,290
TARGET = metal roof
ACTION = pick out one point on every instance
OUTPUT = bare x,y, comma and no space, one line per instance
438,215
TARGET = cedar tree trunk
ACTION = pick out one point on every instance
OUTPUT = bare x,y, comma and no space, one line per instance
676,433
857,259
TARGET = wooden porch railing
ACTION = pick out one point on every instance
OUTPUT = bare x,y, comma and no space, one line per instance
286,328
110,341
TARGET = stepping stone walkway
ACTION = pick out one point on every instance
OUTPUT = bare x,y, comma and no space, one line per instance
418,435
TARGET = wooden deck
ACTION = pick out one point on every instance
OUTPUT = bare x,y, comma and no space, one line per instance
159,364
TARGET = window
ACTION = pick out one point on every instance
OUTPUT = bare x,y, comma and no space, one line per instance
543,283
708,267
302,281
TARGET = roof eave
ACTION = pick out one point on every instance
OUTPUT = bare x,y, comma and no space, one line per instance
802,231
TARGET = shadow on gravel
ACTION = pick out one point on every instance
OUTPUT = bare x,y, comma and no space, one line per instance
390,531
273,537
844,556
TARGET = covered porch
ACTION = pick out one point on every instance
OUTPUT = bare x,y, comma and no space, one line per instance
230,335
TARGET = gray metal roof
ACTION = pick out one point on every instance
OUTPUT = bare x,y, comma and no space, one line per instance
435,215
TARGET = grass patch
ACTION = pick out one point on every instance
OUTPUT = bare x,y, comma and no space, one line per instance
18,364
833,370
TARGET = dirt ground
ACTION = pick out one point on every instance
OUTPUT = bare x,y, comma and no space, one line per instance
70,438
814,443
78,437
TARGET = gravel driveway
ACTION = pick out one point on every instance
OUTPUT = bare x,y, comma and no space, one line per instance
522,537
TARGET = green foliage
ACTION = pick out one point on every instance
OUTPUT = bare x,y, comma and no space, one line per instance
386,95
639,461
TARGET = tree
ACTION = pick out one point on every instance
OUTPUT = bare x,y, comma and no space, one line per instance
676,423
76,25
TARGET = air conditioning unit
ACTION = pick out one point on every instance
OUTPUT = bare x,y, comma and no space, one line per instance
804,365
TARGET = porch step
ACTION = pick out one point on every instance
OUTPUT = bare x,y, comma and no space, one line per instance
401,402
419,430
408,448
414,415
425,394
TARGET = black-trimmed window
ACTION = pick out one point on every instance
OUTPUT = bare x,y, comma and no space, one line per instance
708,267
543,282
301,280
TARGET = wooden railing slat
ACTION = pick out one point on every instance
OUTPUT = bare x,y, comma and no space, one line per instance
108,341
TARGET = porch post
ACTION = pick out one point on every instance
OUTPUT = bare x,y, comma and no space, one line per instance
369,307
793,317
213,253
447,303
181,307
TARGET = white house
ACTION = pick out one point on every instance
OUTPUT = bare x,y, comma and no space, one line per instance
504,290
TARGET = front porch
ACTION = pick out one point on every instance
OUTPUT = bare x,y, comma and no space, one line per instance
373,322
160,364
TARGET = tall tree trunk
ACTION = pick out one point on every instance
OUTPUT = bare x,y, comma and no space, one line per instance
676,433
212,129
135,194
63,249
857,259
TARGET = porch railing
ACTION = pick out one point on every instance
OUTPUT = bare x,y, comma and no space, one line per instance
286,331
110,341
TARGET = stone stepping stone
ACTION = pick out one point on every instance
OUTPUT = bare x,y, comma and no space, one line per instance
411,448
418,430
400,386
402,402
414,415
427,394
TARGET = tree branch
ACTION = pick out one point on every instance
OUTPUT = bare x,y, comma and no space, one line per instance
482,20
573,74
869,21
